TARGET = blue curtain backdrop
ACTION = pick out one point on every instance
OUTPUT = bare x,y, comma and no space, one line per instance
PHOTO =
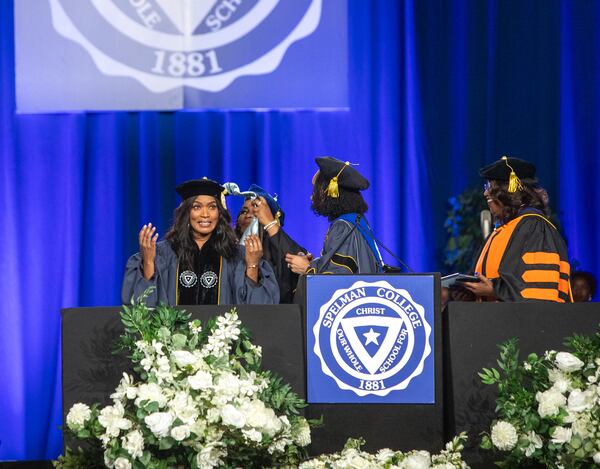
437,89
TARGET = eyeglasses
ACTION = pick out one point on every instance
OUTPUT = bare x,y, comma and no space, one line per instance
487,186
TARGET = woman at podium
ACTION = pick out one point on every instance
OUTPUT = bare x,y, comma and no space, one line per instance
525,258
349,246
200,261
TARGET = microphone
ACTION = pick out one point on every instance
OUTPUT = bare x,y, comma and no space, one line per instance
485,220
233,189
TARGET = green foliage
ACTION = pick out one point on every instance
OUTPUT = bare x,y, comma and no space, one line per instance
463,230
153,338
518,383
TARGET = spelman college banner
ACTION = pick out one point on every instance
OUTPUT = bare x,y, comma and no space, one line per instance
370,339
180,54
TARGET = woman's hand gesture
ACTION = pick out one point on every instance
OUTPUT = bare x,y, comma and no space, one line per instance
147,239
254,253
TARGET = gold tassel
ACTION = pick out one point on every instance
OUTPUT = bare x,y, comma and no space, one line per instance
223,199
333,189
514,183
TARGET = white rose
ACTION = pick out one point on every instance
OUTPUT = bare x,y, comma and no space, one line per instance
417,460
550,402
228,384
151,392
183,407
358,462
180,433
504,436
78,415
232,416
561,435
159,423
568,362
111,418
201,380
583,426
256,413
122,463
383,455
560,380
253,435
133,443
273,424
597,457
580,400
183,358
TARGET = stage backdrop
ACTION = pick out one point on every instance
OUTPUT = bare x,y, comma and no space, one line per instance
436,89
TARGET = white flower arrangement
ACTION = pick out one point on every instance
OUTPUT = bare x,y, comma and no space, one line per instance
351,457
548,407
201,400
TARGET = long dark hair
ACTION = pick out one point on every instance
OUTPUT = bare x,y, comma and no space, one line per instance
333,207
181,235
531,196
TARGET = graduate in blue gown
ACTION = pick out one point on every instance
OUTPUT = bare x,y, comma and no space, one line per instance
200,261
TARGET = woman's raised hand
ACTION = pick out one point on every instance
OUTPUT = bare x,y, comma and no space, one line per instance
254,253
147,239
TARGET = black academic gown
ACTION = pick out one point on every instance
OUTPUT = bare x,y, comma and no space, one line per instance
274,250
526,259
353,256
234,286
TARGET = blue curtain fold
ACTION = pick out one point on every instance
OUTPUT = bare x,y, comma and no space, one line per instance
437,89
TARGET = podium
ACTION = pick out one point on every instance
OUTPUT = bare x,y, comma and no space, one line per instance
464,338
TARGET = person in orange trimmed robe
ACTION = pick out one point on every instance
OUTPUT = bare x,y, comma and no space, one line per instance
525,258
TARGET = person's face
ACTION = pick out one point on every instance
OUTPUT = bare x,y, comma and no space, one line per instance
245,217
581,290
494,206
204,215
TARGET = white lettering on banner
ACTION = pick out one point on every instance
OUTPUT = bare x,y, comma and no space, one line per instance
222,14
180,63
146,12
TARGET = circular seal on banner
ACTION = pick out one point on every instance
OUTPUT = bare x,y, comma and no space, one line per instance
372,338
204,44
208,279
188,278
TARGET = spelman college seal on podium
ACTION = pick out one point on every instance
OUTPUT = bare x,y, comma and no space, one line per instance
372,338
204,44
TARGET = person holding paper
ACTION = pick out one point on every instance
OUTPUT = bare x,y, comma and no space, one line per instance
525,258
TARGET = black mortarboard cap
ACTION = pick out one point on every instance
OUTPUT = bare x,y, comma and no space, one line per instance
204,186
271,201
510,170
500,170
347,176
